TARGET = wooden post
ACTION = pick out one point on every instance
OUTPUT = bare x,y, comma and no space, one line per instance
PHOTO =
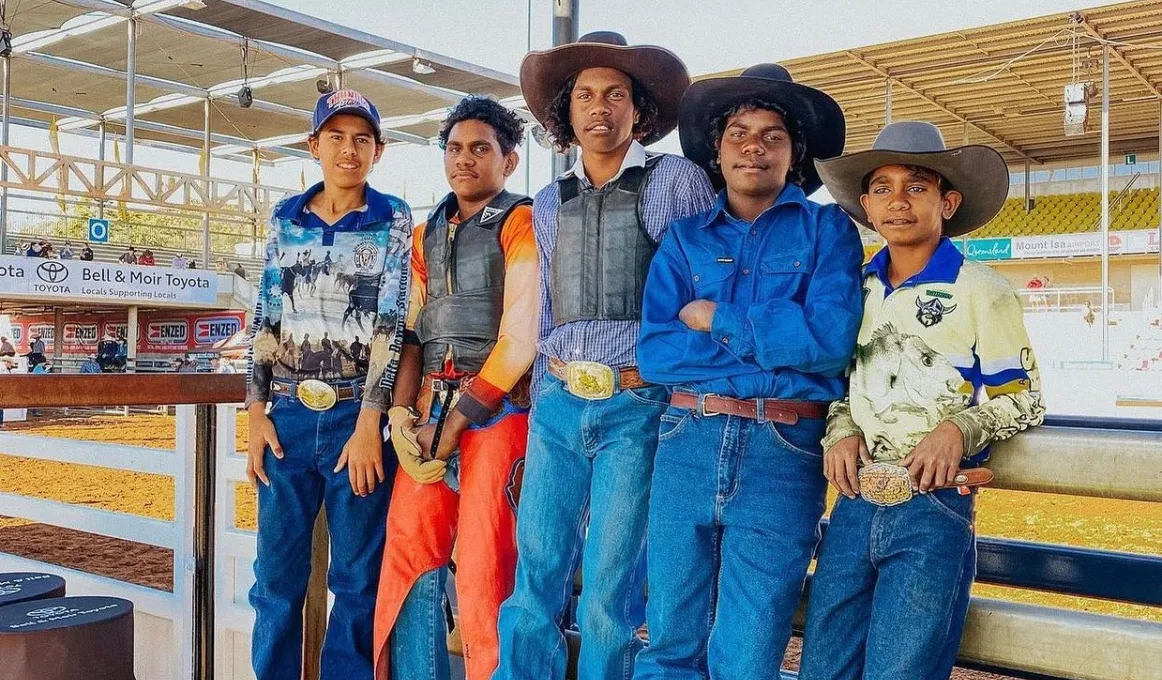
315,609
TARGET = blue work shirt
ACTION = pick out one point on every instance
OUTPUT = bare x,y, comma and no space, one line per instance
788,294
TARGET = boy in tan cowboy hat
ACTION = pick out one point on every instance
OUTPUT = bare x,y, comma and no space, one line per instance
750,314
891,586
593,429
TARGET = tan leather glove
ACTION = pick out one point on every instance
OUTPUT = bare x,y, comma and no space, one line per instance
407,449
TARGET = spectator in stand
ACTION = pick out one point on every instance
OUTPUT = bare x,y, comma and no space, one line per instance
107,350
42,368
6,348
179,261
49,253
35,352
90,365
35,249
87,253
122,351
146,258
224,367
67,251
129,256
193,264
239,270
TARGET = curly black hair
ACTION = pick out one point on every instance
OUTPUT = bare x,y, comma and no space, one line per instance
509,127
560,128
798,146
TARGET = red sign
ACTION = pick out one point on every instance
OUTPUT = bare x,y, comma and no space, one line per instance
158,333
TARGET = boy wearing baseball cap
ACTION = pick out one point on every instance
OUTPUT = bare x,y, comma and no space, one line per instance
320,442
891,586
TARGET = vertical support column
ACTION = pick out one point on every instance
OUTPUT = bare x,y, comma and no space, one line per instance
5,122
101,135
1028,191
131,333
564,32
205,471
58,336
1158,297
1105,203
130,89
888,103
206,264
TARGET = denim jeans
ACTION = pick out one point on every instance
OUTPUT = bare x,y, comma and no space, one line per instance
734,521
588,464
300,484
891,589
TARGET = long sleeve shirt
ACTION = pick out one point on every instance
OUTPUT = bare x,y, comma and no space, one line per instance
927,351
786,288
311,310
516,343
677,188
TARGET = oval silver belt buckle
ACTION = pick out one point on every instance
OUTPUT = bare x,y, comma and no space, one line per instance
316,395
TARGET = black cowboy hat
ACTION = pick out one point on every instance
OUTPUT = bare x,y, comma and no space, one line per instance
658,70
818,117
978,172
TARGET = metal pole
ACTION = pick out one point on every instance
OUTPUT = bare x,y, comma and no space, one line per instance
205,426
5,123
101,134
131,341
888,103
1105,203
58,335
564,32
1158,297
1028,190
130,89
206,208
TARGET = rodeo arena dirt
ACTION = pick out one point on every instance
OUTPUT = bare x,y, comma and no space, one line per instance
123,440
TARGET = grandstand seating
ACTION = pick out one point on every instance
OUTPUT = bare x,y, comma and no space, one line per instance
1072,213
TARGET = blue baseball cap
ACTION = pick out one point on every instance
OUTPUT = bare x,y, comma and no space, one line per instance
345,101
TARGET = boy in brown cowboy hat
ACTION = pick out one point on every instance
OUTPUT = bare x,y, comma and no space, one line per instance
592,433
891,586
751,311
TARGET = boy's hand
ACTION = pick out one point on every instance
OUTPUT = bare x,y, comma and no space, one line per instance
841,464
698,315
262,434
363,454
936,459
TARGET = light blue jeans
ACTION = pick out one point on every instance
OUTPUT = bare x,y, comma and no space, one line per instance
891,589
734,521
588,465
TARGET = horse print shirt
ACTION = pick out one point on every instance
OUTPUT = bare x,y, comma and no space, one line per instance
333,298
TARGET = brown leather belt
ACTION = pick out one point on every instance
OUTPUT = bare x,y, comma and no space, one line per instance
627,378
785,411
887,484
342,392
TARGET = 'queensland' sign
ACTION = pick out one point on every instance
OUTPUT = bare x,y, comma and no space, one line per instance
100,281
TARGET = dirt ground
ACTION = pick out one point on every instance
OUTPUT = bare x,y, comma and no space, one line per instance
1113,525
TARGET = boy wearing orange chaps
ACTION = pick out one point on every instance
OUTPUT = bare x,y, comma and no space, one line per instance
470,341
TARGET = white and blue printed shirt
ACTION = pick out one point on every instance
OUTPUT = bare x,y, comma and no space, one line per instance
333,297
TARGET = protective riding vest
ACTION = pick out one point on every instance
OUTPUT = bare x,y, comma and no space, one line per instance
603,251
461,318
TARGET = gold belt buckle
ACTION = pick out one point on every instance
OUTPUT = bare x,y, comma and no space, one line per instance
589,380
316,395
885,484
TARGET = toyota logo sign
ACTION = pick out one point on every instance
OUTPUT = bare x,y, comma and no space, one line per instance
52,272
46,612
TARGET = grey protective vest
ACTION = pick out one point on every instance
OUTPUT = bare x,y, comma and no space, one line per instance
603,251
461,317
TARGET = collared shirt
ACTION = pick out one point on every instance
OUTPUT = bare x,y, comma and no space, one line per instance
927,350
312,310
787,292
676,188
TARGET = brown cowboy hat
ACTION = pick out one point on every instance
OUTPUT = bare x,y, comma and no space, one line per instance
658,70
978,172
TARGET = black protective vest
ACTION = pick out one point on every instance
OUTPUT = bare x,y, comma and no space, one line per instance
461,317
603,251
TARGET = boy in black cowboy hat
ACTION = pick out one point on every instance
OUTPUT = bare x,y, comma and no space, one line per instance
891,586
592,431
750,313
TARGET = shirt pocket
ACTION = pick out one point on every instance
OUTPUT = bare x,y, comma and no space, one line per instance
784,275
713,280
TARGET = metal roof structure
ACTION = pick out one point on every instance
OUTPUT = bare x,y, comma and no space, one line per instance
74,60
1003,85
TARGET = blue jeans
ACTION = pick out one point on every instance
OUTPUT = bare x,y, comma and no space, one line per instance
588,463
891,590
734,521
300,484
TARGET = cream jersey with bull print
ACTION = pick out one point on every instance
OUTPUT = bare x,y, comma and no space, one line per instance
947,344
